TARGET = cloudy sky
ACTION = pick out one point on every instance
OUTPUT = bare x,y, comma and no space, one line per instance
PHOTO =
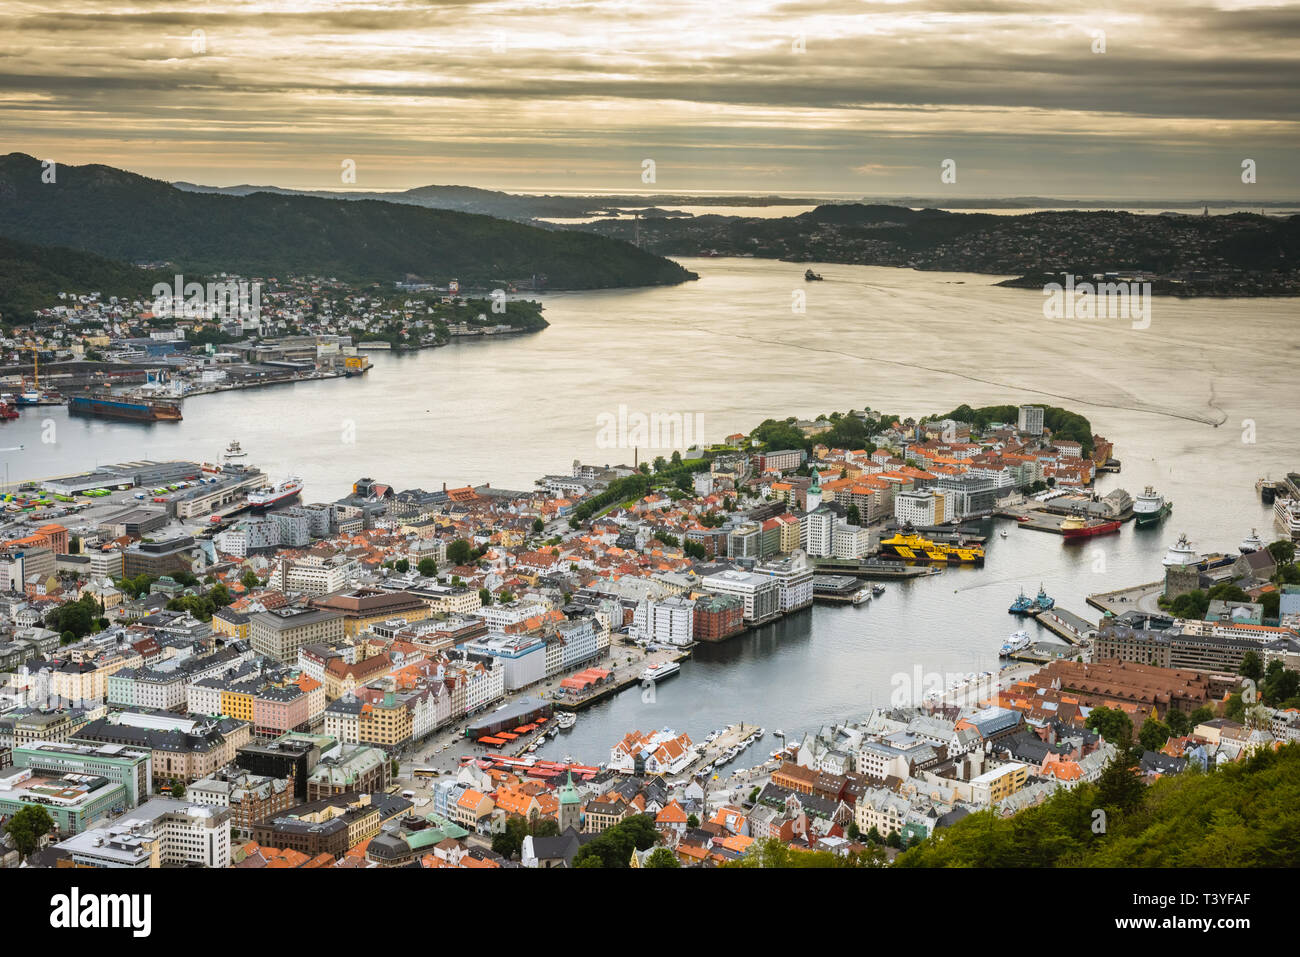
825,97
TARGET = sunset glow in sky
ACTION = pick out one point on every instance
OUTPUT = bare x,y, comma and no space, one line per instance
823,97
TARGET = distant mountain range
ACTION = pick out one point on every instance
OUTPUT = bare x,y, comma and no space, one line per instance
125,216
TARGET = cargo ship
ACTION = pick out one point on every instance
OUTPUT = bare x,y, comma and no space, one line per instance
39,397
135,410
1076,527
267,497
1151,508
911,547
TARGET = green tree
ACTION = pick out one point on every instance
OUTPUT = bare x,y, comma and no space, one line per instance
1154,734
249,580
693,821
458,552
427,567
402,566
484,597
662,857
1112,724
1283,551
538,526
853,515
1178,722
27,826
1251,667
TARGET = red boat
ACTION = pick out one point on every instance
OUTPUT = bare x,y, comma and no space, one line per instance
1076,526
7,411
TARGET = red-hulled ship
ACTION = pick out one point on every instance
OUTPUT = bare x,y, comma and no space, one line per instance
1076,526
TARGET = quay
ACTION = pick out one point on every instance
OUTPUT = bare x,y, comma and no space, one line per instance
836,589
1135,598
1067,625
732,736
619,682
871,569
1043,652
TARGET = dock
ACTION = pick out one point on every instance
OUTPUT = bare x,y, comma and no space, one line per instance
732,735
871,569
1043,652
1066,625
1136,598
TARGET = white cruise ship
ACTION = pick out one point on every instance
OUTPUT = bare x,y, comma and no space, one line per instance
1286,514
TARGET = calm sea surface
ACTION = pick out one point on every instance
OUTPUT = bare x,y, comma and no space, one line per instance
1199,404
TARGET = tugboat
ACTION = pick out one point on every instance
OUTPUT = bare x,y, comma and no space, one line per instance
1151,508
810,276
1023,605
1042,601
8,412
1252,544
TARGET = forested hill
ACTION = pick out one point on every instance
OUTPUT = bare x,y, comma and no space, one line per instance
32,276
130,217
1241,815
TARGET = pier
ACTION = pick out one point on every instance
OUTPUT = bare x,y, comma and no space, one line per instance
871,569
733,735
1066,625
1136,598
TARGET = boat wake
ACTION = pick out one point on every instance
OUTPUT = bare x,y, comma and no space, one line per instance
1142,407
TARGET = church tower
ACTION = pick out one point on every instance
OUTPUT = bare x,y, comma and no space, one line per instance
570,813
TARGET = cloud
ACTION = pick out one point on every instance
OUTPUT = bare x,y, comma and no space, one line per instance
527,94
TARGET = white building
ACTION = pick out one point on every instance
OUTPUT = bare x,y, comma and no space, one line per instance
158,833
922,507
666,621
794,578
761,594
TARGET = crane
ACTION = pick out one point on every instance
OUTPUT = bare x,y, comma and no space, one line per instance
36,363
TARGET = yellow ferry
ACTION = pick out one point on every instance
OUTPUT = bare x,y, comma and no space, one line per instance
911,547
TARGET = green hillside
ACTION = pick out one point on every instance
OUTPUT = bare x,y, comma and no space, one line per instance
125,216
1242,815
32,276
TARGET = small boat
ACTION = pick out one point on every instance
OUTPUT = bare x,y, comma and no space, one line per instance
761,732
861,597
877,590
810,276
1023,605
661,671
1042,602
1004,533
1017,642
566,719
779,733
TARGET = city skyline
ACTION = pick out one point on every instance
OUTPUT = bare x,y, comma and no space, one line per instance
825,99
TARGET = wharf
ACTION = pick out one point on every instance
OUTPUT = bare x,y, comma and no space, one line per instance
620,683
871,569
1135,598
1066,625
1044,652
732,735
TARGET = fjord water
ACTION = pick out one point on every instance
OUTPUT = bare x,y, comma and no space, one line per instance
1199,404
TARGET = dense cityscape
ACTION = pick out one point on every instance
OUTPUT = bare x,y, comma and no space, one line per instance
831,437
194,649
